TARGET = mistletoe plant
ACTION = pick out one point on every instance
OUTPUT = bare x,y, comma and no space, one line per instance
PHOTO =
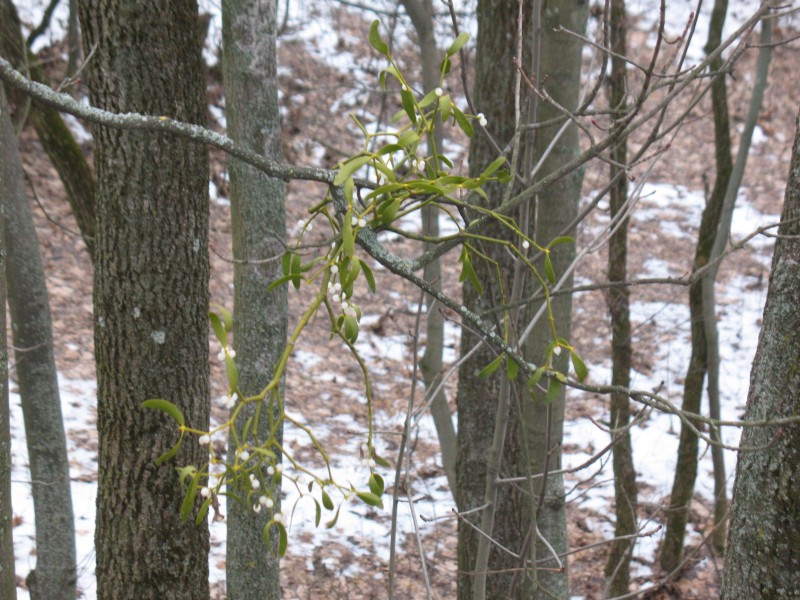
405,180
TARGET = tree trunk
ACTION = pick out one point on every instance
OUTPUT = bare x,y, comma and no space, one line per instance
478,398
249,32
8,580
150,295
763,550
32,333
617,570
56,138
560,70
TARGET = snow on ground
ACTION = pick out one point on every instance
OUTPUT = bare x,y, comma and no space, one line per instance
655,441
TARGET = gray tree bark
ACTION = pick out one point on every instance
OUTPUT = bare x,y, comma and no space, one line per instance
617,569
150,295
478,398
763,550
560,69
8,579
32,332
249,31
55,136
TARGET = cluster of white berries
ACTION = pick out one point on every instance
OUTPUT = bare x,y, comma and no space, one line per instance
230,400
360,221
338,295
226,352
482,120
303,224
210,487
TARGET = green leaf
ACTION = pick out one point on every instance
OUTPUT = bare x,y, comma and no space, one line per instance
390,70
459,42
560,240
349,167
219,328
188,499
375,39
350,329
376,484
409,138
463,122
166,407
203,511
379,460
227,317
553,388
496,164
326,500
580,367
286,263
279,282
548,268
491,367
370,499
534,379
171,452
445,107
232,372
348,241
408,105
388,210
369,276
512,368
295,270
428,99
186,472
332,523
468,273
283,539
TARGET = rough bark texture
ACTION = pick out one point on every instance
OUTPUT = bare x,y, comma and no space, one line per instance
8,580
560,69
478,397
763,550
257,208
617,569
56,138
150,295
36,376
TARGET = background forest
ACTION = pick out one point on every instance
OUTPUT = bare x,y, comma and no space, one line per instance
641,220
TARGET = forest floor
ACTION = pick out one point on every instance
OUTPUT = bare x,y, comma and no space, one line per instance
324,387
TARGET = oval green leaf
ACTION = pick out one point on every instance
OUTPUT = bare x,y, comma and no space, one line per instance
166,407
458,43
375,39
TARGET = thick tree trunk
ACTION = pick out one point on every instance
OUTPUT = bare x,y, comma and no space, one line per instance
617,570
8,580
494,92
560,70
249,32
56,138
150,295
763,550
32,333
